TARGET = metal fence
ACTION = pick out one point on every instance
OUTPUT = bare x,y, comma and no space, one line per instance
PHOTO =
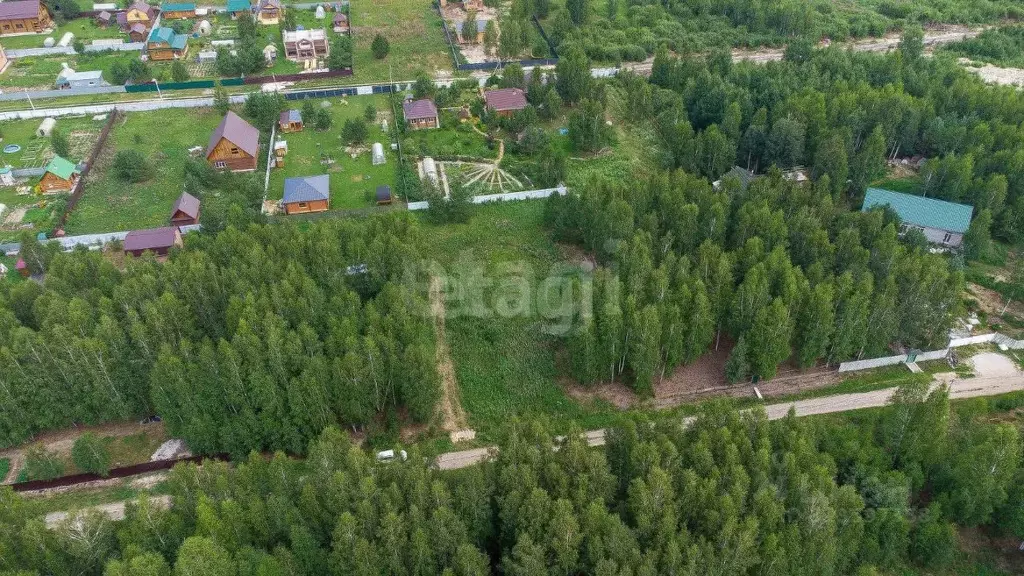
994,337
124,472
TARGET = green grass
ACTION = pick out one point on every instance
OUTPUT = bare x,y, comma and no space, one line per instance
353,181
164,136
5,467
83,28
36,152
451,139
414,32
909,185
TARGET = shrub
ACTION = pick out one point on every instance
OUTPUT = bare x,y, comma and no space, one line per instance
354,131
380,47
132,166
90,454
59,143
41,464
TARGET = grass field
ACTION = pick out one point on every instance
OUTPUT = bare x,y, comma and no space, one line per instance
36,152
83,28
353,181
414,32
164,136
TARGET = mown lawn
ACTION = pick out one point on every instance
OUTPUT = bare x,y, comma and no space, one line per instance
354,181
414,32
83,28
164,136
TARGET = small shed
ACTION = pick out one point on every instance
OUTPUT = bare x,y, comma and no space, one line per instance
340,22
46,127
378,154
22,267
104,19
290,121
185,210
156,240
383,194
137,32
60,176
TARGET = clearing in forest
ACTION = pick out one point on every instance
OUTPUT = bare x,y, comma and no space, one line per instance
454,417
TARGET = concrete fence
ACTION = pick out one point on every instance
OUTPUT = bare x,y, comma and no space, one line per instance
524,195
994,337
40,94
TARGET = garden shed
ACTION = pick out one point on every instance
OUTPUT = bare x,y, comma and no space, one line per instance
378,154
46,127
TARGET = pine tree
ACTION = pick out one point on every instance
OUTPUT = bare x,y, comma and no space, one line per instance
737,367
769,339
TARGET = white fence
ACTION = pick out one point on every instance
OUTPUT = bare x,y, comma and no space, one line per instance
525,195
40,94
146,106
933,354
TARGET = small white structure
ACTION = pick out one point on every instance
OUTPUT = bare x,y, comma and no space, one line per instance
66,39
205,28
207,56
320,13
6,177
430,170
46,127
384,126
68,78
101,7
222,43
107,42
281,145
202,12
49,42
378,154
270,54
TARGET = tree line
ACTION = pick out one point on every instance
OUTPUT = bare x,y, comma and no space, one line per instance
244,340
731,494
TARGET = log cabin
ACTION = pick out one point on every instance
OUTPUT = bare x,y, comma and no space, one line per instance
307,194
61,176
234,145
20,16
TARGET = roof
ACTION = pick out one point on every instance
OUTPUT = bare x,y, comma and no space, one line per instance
266,4
142,7
238,132
309,34
744,176
383,192
926,212
122,18
238,5
70,75
178,6
307,189
138,27
505,99
19,9
151,239
165,35
289,116
104,15
186,204
61,168
340,17
419,109
20,264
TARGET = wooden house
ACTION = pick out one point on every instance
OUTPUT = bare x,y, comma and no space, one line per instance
177,10
138,32
505,101
290,121
185,210
61,176
164,44
421,114
238,8
307,194
20,16
156,240
140,13
269,12
234,145
301,45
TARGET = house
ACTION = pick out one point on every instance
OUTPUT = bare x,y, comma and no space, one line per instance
340,23
744,176
178,10
238,8
60,176
185,210
20,16
269,12
383,195
141,13
307,194
302,45
506,101
156,240
68,78
234,145
164,44
421,114
290,121
137,32
104,19
464,36
943,223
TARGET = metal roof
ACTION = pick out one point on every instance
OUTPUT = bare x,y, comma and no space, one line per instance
238,5
186,204
238,132
61,168
505,99
290,116
419,109
18,9
383,193
151,239
926,212
307,189
177,6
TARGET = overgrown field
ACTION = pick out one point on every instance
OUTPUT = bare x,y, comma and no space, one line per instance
412,28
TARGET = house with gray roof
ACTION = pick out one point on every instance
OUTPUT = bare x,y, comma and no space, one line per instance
307,194
943,223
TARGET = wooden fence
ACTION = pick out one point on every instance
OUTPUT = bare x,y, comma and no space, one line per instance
79,190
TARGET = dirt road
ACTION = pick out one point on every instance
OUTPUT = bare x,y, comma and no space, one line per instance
114,510
958,389
452,414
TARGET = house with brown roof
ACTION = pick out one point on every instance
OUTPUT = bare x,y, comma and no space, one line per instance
140,12
302,45
234,145
340,22
185,210
505,101
138,32
156,240
20,16
290,121
421,114
269,12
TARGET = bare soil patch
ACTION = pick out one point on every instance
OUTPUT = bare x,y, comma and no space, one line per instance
708,372
992,303
452,414
615,393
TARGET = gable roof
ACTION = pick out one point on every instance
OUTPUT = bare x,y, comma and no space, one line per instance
505,99
238,132
289,116
419,109
104,15
926,212
187,204
743,175
61,168
151,239
340,17
142,7
19,9
238,5
177,6
138,27
165,35
307,189
270,4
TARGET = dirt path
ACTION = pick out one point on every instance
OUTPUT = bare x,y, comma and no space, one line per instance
113,510
453,416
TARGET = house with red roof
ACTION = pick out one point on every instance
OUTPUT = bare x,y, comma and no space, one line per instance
421,114
505,101
234,145
156,240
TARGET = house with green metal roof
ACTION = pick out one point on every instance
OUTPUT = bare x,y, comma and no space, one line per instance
164,44
60,176
943,223
238,7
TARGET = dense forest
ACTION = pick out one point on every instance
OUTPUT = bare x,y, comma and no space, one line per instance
245,340
730,495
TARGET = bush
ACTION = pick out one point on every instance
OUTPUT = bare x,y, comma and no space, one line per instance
90,454
41,464
179,72
132,166
370,113
354,131
380,47
59,143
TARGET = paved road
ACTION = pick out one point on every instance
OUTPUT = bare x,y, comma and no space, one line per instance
958,389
